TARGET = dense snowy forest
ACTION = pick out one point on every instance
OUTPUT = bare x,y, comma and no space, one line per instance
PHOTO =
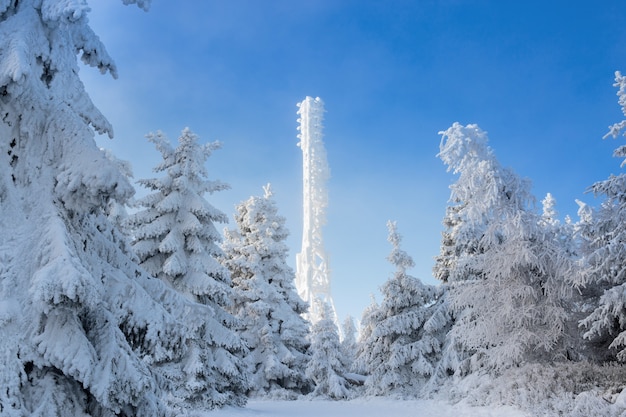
111,306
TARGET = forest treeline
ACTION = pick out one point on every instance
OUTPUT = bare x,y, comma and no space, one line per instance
153,311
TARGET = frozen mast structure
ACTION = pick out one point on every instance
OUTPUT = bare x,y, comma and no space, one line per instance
312,271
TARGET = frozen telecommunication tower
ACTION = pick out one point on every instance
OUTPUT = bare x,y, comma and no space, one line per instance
312,271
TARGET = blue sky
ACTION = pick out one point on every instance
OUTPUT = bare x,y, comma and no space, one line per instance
536,75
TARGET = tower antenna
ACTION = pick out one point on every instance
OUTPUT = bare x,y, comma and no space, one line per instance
312,269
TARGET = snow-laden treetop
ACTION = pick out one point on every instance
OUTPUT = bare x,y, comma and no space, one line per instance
39,43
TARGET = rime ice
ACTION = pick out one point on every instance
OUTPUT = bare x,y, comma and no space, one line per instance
312,270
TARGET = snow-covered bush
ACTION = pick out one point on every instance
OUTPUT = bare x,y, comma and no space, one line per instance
578,389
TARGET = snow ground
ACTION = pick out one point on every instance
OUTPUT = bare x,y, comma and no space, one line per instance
374,407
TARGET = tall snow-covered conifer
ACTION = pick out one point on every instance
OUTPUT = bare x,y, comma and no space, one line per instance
267,304
510,288
401,353
604,253
79,319
176,241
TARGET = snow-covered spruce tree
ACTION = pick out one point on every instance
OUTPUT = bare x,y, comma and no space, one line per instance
77,315
563,232
326,366
369,318
549,216
401,353
176,241
461,262
576,303
461,250
348,342
509,305
604,253
266,302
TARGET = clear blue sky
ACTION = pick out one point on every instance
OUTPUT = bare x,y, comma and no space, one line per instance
537,75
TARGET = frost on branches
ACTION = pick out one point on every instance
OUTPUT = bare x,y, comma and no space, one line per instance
360,365
509,290
604,269
78,318
267,304
401,347
312,269
116,211
326,367
176,241
348,341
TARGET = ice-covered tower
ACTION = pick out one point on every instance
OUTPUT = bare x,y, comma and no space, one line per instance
312,271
